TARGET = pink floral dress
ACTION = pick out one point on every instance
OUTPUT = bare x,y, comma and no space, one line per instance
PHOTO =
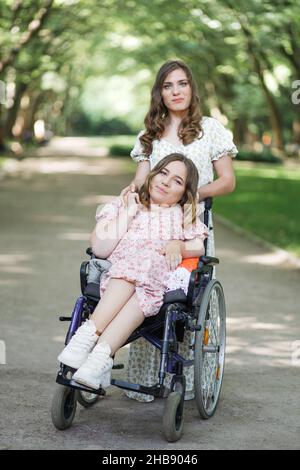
137,257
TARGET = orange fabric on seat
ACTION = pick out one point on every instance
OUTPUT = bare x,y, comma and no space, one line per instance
189,263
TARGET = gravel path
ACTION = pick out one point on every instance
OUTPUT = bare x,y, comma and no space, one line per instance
47,212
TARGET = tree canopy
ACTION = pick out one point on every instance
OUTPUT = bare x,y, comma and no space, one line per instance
78,64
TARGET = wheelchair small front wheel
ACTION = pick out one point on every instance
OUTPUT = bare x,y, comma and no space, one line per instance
63,407
173,417
86,399
210,349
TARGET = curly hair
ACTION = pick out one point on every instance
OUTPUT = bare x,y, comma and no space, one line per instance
188,202
190,126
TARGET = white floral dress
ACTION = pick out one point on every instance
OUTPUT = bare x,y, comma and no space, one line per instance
215,142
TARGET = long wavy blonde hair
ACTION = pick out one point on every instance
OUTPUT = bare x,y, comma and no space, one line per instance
155,120
188,202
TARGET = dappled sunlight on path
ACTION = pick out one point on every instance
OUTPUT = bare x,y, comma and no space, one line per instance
276,258
80,155
254,343
73,146
87,166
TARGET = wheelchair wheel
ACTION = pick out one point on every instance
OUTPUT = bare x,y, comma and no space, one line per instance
63,407
210,349
173,417
86,399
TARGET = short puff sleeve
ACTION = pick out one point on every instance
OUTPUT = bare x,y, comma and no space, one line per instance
197,230
221,141
110,210
137,153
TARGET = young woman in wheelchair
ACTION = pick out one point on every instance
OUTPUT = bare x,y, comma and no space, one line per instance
145,242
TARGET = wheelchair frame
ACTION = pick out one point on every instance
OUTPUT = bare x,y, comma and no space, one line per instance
178,314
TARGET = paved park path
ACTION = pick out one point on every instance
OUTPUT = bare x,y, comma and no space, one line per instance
47,207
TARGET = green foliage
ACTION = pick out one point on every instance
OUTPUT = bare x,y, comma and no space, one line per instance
99,59
83,125
120,150
265,156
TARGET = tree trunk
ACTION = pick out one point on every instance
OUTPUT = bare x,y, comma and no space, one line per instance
239,131
2,131
2,140
27,116
296,130
13,111
35,102
274,113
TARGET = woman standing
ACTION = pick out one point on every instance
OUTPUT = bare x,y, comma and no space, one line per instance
174,123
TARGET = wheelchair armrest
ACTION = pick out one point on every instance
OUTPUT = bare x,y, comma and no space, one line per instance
203,261
83,275
190,292
208,261
89,252
208,202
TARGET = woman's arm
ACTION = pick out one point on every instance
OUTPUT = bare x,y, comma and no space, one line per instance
107,234
224,184
142,171
177,250
143,168
192,248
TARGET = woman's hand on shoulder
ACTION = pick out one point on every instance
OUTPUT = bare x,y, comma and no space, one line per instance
126,192
173,253
132,203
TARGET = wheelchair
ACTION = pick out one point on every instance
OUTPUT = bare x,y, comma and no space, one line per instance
201,311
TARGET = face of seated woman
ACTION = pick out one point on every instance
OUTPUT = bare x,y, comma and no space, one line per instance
168,186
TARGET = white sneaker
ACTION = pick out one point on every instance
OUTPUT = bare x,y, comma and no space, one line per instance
97,368
81,344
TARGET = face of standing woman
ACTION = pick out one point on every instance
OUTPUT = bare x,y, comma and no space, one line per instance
168,186
176,91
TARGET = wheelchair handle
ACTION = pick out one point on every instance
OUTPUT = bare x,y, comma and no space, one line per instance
89,252
208,202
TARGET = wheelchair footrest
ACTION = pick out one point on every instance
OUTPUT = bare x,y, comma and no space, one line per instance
156,391
61,380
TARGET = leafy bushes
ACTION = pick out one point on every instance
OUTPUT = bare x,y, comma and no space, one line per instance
265,156
119,150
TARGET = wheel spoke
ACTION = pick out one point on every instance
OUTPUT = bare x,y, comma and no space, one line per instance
210,374
214,316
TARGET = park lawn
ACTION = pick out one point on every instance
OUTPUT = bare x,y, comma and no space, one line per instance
266,203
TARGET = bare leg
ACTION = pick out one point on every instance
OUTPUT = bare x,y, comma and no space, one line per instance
116,295
124,323
96,369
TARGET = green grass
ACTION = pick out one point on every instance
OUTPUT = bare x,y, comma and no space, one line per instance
117,145
266,203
